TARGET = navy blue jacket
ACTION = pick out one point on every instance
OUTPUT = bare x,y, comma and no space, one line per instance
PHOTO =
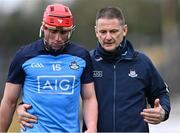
123,88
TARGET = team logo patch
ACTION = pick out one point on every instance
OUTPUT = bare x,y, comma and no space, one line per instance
132,73
74,65
37,65
97,74
60,21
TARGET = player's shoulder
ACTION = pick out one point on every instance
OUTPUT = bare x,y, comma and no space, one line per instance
77,49
78,46
33,46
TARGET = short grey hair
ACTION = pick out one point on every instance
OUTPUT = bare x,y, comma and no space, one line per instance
111,13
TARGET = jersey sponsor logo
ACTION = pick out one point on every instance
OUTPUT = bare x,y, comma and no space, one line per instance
56,84
37,65
132,73
97,74
74,65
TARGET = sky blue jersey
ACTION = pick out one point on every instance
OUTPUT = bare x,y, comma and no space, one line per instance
52,84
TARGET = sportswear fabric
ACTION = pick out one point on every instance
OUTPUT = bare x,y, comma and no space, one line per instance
124,81
51,83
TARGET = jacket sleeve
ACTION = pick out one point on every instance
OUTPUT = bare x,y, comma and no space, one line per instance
157,88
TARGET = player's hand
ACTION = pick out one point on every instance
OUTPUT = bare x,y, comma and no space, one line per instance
24,117
154,115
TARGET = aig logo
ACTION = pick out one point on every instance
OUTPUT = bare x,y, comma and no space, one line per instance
97,73
56,84
37,65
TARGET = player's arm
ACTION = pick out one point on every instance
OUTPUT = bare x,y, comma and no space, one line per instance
8,105
90,107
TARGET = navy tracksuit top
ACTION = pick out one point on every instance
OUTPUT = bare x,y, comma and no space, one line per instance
124,86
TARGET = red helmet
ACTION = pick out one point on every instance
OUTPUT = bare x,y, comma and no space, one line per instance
58,15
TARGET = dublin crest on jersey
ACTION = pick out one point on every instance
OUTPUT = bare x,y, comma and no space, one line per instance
74,65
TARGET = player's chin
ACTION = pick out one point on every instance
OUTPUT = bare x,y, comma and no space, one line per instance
57,46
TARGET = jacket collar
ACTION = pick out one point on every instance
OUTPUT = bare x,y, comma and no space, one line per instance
126,53
40,45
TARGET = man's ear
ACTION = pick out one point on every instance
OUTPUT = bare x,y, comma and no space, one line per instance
125,30
95,29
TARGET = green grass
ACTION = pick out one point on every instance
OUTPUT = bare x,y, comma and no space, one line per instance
15,124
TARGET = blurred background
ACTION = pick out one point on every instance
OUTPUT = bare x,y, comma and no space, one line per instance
154,28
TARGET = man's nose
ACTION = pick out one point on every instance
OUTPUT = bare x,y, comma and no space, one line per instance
108,36
58,36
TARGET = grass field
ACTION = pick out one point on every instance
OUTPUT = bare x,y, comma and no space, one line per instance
14,125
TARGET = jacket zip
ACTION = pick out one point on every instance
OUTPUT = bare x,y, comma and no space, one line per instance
114,100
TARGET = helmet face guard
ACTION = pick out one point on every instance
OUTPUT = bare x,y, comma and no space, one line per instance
58,29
